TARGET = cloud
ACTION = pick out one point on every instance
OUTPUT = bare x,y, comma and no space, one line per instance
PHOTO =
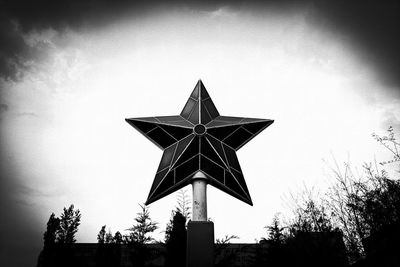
369,25
16,55
28,114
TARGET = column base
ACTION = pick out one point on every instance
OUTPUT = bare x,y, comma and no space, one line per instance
200,244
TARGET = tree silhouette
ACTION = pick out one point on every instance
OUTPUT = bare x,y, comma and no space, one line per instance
139,232
101,235
275,232
58,237
139,236
53,226
363,205
275,241
109,237
310,217
366,205
308,239
175,241
69,222
46,256
118,239
341,196
109,249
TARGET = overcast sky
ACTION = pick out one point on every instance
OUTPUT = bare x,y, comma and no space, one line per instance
71,72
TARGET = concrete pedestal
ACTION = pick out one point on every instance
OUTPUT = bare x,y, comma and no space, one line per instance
200,244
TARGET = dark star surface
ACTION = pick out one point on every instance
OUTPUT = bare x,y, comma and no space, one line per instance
199,139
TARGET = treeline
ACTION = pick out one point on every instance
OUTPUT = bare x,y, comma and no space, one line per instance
363,208
59,238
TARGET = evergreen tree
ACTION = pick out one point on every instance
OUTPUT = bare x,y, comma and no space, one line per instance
139,233
275,234
139,236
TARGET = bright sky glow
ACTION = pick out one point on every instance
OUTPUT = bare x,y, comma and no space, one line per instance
66,134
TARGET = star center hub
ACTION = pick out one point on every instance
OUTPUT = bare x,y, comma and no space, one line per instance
199,129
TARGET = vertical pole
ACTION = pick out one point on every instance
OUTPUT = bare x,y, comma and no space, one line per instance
200,233
199,197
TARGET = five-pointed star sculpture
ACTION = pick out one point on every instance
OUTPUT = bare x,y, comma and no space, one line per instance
199,139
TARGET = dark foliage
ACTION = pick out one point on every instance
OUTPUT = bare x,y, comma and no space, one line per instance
314,249
139,236
309,240
58,238
365,207
276,235
176,241
53,226
101,235
69,222
271,250
140,232
224,256
109,250
118,239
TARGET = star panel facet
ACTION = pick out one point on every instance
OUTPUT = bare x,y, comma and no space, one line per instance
199,139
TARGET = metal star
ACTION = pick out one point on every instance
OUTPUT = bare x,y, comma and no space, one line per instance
199,139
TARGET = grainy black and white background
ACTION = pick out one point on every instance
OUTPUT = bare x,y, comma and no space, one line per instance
327,72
